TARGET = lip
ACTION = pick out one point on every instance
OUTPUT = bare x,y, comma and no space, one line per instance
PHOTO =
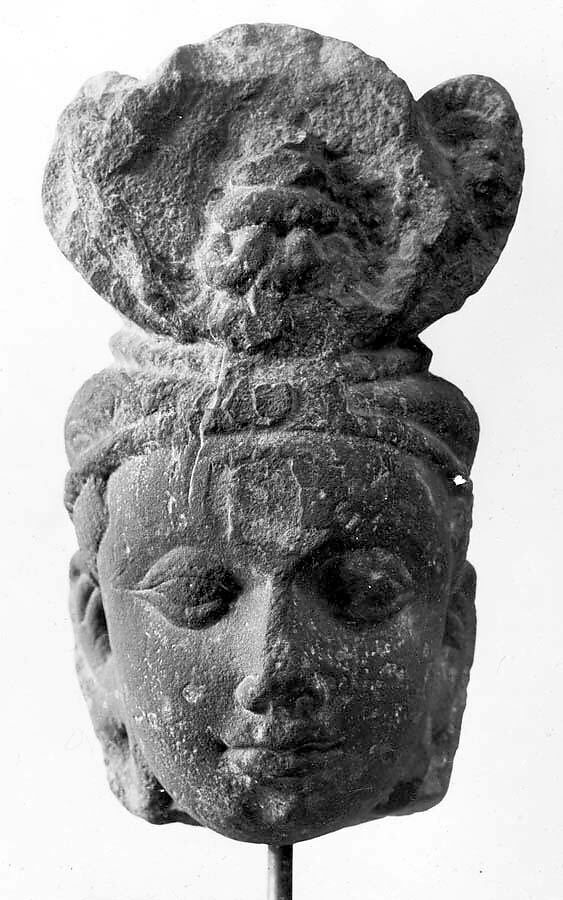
261,760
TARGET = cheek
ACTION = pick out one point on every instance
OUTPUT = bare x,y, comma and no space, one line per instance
175,685
386,680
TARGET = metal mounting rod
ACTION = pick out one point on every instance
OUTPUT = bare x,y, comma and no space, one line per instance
280,872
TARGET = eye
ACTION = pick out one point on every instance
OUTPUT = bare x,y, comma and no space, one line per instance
367,587
189,592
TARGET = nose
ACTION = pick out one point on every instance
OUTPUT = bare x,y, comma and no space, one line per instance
282,675
300,697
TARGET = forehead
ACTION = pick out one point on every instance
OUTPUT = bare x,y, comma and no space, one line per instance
281,494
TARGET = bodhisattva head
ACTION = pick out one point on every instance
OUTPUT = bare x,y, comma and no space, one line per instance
273,609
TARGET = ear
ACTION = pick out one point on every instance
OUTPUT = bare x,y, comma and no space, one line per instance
476,130
89,620
128,774
451,676
447,703
454,663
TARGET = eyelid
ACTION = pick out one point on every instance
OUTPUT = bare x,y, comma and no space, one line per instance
168,567
390,563
187,590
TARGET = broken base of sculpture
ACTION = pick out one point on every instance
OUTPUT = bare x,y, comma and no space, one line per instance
273,609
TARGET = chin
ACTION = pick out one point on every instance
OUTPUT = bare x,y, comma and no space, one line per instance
277,809
277,814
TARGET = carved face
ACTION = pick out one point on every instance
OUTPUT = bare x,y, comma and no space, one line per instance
276,618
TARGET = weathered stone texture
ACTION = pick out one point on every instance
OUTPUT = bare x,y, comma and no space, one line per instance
276,184
273,609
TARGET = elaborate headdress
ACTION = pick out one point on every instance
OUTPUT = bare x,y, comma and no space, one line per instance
279,246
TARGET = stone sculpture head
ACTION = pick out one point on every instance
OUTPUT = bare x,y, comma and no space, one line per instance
273,609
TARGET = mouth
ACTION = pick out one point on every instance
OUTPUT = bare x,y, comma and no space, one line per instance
264,760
